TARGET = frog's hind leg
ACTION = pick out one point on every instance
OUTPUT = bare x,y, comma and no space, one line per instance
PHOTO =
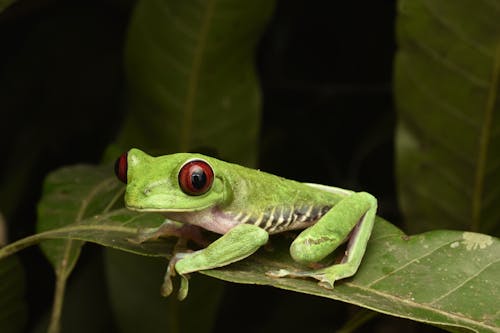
350,219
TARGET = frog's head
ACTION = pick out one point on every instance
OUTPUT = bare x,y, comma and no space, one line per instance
171,183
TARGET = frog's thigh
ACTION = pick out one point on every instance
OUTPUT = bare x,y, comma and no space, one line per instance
321,239
356,214
238,243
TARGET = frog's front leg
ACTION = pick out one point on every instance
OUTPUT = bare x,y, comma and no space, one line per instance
171,228
352,218
238,243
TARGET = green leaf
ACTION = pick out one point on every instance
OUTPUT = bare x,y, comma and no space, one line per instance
192,82
70,196
432,277
13,310
448,137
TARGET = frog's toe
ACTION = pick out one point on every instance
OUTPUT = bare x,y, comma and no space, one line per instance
279,273
294,274
326,282
183,289
324,279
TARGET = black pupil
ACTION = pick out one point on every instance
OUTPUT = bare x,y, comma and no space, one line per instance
198,178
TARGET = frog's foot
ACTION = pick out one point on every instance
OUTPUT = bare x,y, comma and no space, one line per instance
326,276
171,228
167,286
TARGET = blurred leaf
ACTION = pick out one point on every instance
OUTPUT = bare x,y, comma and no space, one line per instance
448,138
13,309
86,297
191,75
12,304
5,3
433,277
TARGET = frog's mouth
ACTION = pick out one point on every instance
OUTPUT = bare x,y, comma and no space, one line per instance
152,209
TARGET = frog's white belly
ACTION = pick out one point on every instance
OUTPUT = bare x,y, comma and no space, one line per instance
210,219
273,220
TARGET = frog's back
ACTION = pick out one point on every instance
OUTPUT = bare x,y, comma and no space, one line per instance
274,203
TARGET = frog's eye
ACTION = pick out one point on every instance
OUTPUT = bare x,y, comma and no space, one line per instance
121,168
196,177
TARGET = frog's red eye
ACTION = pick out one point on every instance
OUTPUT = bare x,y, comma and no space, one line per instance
121,168
196,177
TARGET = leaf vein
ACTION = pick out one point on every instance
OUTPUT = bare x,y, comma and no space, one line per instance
193,80
369,285
484,144
176,23
442,19
458,317
166,55
437,57
452,290
444,105
441,204
436,140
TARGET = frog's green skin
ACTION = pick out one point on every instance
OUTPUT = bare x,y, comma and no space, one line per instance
245,206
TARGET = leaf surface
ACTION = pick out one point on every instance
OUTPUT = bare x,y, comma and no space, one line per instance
432,277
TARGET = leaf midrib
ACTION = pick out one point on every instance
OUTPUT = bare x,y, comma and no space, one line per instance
193,79
483,145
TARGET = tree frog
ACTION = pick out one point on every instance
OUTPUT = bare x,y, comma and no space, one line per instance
245,206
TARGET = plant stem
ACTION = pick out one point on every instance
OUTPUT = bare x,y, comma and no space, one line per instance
20,244
55,324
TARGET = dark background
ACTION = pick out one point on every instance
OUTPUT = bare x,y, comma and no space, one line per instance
325,70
